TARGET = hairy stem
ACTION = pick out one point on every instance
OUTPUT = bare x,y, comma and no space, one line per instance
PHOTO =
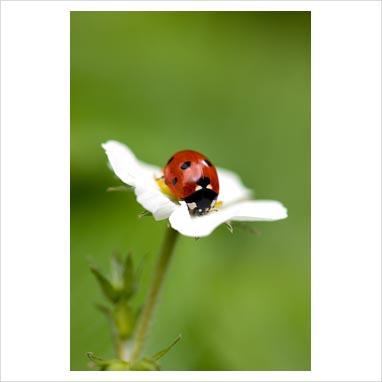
148,310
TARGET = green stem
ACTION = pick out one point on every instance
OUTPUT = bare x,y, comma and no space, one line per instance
123,349
148,310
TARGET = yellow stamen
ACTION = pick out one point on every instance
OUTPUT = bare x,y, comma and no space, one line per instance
163,187
218,204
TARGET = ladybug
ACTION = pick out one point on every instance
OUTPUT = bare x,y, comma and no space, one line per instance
191,177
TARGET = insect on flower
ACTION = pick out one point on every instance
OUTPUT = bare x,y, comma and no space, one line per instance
193,194
192,177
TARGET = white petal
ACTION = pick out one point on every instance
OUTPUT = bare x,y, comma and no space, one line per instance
259,210
141,176
231,187
152,199
123,162
253,210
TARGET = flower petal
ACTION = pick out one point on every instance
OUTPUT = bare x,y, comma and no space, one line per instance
231,187
152,199
123,162
260,210
252,210
141,176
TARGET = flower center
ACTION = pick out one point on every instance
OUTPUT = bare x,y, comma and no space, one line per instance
164,188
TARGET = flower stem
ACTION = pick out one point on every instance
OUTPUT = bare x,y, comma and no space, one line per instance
148,310
123,348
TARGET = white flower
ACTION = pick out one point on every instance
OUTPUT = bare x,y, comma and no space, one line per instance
235,197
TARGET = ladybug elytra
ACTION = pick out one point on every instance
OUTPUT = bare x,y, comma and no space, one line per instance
191,177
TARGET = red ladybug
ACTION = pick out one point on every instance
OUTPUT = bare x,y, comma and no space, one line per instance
191,177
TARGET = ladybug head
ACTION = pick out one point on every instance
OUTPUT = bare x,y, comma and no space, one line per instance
200,202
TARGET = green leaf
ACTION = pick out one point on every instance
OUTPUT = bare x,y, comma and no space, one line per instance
104,309
128,276
117,269
163,352
96,361
109,291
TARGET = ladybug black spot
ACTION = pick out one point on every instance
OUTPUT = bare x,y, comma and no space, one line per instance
203,182
185,165
169,161
208,162
174,181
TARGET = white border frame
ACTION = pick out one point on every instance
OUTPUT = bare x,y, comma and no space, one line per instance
346,185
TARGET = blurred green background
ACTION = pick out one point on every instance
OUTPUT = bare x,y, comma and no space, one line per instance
235,86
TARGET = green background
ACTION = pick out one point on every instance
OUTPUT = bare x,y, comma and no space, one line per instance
235,86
